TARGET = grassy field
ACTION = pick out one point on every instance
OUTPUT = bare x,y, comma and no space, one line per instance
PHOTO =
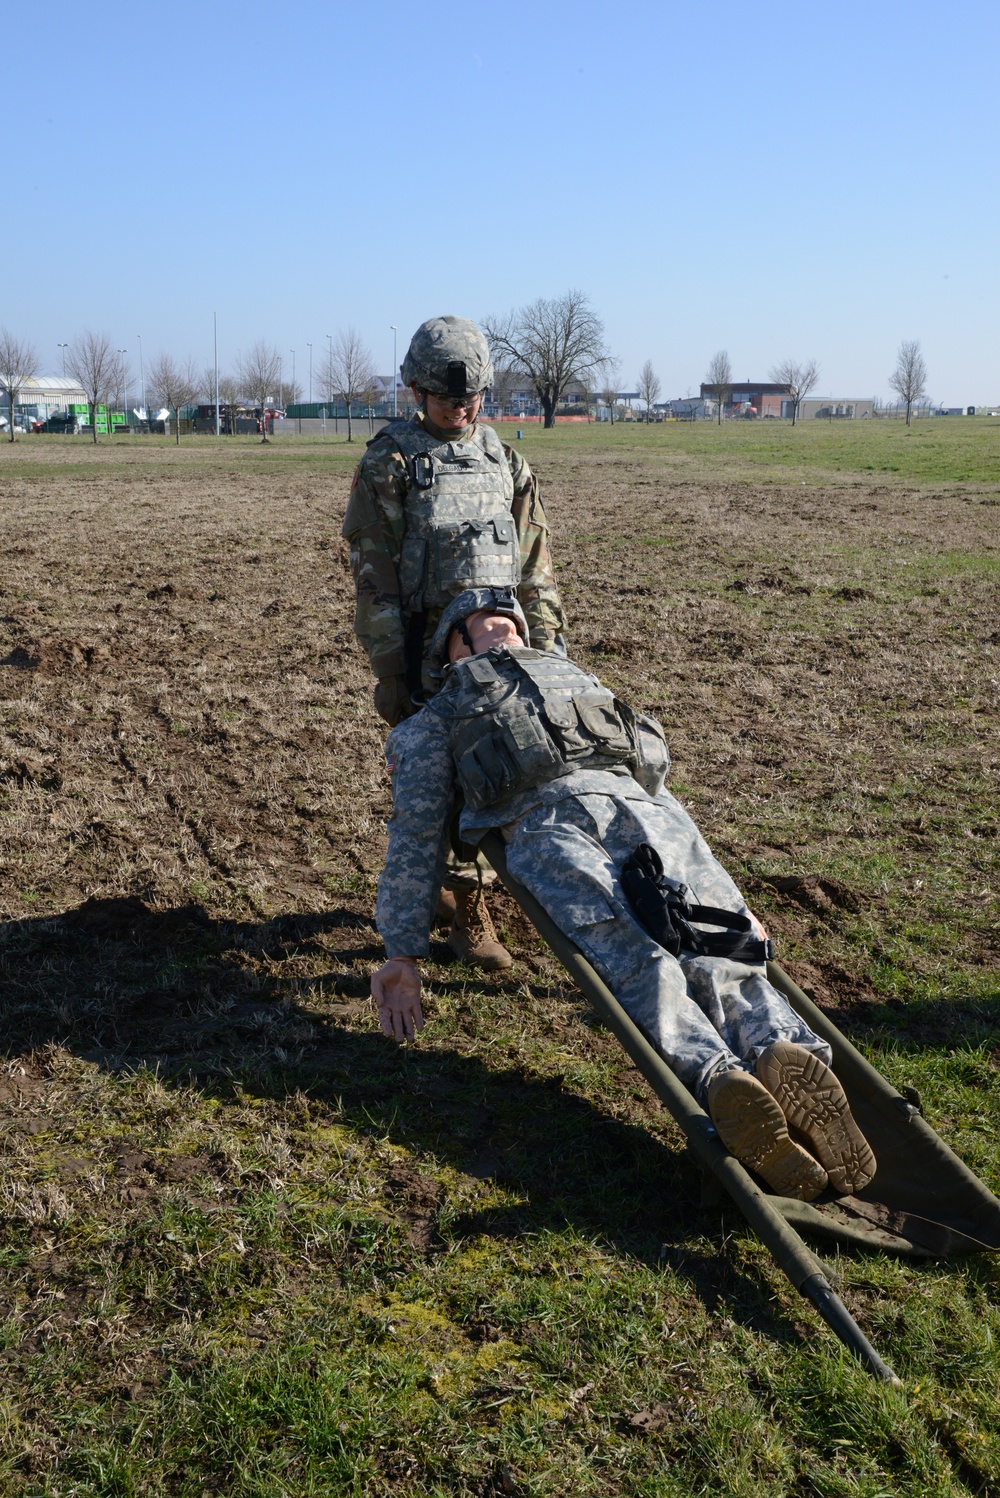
249,1247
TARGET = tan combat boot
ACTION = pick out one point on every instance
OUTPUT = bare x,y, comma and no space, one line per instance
444,915
754,1129
473,938
812,1099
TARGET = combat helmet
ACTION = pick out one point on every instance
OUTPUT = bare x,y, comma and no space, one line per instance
448,356
472,601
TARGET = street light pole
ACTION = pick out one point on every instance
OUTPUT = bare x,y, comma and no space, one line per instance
299,420
123,392
64,347
142,380
310,348
215,345
394,412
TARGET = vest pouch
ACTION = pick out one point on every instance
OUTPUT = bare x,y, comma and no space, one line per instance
560,711
649,745
476,554
483,775
534,753
411,570
598,716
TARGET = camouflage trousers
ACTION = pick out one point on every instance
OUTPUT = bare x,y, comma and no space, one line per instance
703,1014
465,867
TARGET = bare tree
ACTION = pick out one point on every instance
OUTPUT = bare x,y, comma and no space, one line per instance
719,380
259,372
649,387
289,393
370,397
351,370
91,362
172,385
909,378
503,387
18,362
611,377
122,373
229,400
554,341
800,379
207,389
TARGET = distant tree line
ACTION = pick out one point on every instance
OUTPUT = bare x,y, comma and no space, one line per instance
552,345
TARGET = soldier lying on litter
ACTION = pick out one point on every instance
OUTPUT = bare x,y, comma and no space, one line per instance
573,779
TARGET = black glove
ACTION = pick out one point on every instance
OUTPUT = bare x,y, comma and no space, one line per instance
392,699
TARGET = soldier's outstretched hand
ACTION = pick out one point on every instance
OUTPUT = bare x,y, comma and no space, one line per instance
396,991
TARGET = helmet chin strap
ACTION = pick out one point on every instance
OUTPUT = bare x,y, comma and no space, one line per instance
463,630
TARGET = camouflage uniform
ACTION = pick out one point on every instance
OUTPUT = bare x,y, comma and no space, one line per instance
375,526
566,841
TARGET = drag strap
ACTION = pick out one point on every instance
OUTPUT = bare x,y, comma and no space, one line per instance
662,909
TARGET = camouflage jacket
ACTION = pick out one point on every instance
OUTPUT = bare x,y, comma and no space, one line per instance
374,526
424,786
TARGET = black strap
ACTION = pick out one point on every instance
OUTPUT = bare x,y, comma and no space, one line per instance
661,907
413,649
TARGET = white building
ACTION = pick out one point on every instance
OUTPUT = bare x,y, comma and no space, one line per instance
45,394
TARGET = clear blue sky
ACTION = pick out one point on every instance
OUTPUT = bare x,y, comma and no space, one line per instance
813,182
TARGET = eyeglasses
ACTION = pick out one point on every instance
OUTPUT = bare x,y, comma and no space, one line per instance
454,402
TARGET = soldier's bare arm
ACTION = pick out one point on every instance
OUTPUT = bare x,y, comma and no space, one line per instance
537,594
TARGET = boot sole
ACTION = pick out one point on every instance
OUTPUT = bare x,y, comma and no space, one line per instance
813,1101
753,1129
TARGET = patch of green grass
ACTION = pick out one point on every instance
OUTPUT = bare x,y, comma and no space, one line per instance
948,450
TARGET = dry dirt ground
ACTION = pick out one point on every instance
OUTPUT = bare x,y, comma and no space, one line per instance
187,721
192,801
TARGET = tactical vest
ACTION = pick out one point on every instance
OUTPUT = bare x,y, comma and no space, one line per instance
460,532
518,718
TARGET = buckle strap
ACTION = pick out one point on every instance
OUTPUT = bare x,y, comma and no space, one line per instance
661,907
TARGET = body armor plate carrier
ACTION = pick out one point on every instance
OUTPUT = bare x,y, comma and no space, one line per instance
519,718
460,531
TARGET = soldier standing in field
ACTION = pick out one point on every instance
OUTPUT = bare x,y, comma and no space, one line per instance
438,505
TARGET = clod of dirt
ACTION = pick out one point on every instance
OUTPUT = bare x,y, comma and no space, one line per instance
655,1418
59,655
626,647
830,986
853,593
132,1163
20,659
30,771
815,892
420,1197
16,1091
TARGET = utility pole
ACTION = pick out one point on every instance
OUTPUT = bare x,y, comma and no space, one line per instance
299,421
394,412
215,340
123,392
142,380
310,348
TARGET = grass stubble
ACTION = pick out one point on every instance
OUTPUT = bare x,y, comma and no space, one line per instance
250,1247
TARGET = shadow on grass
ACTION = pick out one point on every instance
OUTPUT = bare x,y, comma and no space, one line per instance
914,1025
124,986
